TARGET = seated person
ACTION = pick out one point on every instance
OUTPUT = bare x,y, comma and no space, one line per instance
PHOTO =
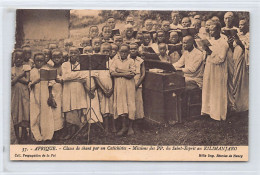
175,21
162,47
191,64
118,40
106,34
175,55
186,22
129,31
88,50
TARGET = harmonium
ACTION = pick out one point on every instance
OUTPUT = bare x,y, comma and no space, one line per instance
162,92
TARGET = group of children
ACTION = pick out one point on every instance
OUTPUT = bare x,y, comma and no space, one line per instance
48,106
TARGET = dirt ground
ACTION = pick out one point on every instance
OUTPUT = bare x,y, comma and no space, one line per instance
197,131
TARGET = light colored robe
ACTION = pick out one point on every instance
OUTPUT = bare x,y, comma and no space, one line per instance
124,89
41,116
241,74
193,65
214,90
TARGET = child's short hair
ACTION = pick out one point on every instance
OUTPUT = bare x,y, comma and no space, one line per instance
114,45
106,44
56,50
73,47
92,27
16,51
124,44
37,54
162,45
133,43
26,45
105,26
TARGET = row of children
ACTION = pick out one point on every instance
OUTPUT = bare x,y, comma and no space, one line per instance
44,106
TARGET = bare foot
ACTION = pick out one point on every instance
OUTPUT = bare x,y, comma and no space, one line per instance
121,132
130,131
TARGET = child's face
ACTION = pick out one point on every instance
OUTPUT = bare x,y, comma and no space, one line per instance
85,42
162,49
27,53
166,26
65,56
228,19
46,53
96,45
113,50
111,23
160,37
93,32
130,20
39,61
133,50
105,50
174,38
74,55
129,32
186,22
107,32
147,39
123,52
175,18
118,40
155,25
57,57
88,50
148,25
18,59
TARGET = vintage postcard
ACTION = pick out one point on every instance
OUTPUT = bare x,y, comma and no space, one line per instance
130,85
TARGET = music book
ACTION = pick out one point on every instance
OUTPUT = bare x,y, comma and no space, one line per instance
46,75
229,32
115,32
156,64
174,47
151,56
93,62
189,31
148,49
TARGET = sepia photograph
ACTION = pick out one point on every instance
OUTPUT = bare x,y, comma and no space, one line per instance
130,80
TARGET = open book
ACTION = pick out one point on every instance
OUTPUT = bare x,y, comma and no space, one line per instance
229,32
46,75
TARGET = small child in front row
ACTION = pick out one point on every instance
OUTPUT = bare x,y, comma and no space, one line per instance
105,91
123,72
174,39
20,101
139,77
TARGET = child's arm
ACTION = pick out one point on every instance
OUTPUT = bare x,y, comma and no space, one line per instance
141,79
51,101
25,80
107,92
16,78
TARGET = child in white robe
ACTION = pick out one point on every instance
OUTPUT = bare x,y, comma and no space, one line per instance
123,71
41,117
